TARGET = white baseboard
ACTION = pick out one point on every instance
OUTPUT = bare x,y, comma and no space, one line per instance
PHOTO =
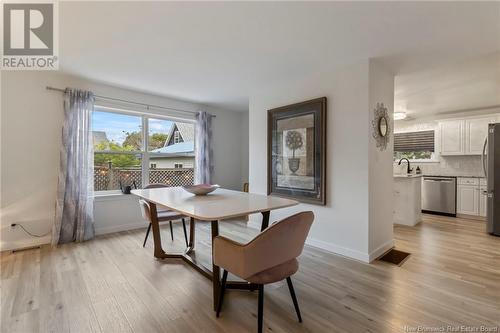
25,243
120,227
381,250
30,242
336,249
340,250
325,246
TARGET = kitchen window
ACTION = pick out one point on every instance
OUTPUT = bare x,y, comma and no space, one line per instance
415,146
121,156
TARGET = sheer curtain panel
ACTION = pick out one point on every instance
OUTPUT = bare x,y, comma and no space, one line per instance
74,219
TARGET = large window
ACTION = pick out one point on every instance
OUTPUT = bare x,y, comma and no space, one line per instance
417,146
121,156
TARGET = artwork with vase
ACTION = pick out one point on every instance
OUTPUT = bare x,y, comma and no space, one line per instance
296,142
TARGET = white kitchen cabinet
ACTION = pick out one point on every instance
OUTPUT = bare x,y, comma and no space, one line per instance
482,201
464,136
451,133
468,199
476,130
407,200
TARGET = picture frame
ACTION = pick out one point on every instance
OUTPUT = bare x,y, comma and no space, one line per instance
296,151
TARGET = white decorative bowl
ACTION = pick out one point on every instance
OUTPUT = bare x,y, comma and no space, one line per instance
201,189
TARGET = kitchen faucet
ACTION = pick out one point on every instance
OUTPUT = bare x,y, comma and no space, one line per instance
408,169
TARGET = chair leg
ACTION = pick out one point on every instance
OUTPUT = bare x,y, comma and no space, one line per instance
171,230
261,308
294,298
222,290
147,234
185,233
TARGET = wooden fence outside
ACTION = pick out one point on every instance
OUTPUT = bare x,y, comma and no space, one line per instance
108,179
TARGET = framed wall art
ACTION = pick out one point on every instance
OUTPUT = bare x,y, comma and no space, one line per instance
296,154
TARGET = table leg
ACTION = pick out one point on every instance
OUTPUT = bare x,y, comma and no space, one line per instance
215,269
191,233
155,226
265,220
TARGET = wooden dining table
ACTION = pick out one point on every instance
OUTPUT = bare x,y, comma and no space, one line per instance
222,204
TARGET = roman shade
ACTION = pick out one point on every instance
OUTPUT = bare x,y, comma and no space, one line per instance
414,141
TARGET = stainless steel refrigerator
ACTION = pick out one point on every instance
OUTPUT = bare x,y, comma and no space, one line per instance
491,166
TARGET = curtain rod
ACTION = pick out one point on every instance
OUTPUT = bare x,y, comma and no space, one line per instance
148,106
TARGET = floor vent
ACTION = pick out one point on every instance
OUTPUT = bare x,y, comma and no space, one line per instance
395,257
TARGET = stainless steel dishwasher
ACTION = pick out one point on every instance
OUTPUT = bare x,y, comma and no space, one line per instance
439,195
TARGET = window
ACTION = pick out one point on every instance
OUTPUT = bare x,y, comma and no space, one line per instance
414,145
177,137
120,156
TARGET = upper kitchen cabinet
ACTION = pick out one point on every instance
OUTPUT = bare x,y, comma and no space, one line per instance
476,131
464,136
451,134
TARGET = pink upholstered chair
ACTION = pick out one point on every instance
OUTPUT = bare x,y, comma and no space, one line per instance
163,216
268,258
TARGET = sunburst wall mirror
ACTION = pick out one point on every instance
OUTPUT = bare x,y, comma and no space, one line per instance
381,126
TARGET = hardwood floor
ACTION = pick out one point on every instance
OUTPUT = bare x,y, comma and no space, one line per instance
112,284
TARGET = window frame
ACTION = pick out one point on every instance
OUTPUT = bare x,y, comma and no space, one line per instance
145,153
434,154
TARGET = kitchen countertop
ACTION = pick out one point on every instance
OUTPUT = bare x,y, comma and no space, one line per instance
407,176
456,176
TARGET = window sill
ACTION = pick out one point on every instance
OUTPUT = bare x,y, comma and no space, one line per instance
419,161
112,195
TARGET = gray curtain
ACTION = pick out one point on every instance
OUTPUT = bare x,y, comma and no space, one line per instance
74,205
204,151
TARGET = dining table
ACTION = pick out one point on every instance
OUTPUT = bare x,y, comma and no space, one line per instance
222,204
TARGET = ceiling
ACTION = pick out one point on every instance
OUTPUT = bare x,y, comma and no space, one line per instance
466,86
218,53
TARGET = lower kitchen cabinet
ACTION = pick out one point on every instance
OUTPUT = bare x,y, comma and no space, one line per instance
482,201
471,198
468,199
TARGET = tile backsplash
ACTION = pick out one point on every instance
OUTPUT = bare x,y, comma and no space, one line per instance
466,166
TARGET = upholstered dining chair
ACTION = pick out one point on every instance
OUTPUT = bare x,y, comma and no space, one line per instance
270,257
163,216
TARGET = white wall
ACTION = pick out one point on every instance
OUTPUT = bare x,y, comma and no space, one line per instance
381,89
230,134
30,140
342,226
244,149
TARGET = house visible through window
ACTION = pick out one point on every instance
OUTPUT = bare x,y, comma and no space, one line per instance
121,156
414,145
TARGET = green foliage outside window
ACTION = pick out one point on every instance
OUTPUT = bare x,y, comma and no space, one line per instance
134,139
157,140
413,155
117,160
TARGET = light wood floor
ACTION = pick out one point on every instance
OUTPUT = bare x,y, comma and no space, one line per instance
112,284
